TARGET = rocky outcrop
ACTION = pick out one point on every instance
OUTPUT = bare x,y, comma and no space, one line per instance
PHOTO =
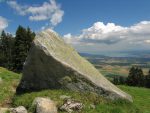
53,64
20,109
44,105
71,105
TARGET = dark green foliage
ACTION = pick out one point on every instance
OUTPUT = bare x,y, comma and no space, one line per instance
13,50
135,77
19,49
117,80
29,38
6,48
22,45
147,80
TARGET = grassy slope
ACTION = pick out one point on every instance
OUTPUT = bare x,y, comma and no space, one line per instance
7,87
141,97
102,105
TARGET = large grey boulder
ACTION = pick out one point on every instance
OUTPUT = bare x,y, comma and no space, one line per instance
52,64
44,105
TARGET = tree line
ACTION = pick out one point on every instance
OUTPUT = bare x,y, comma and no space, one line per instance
135,77
14,49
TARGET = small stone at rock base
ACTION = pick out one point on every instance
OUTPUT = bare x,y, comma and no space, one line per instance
71,105
4,110
20,109
44,105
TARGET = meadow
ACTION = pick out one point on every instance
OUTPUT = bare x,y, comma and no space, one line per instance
8,98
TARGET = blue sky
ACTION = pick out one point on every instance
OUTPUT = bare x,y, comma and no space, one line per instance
89,25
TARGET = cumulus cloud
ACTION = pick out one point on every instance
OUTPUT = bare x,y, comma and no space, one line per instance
111,33
69,38
47,11
3,23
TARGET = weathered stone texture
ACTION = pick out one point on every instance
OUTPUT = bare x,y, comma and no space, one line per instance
53,64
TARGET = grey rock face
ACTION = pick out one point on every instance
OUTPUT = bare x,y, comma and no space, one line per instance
53,64
20,109
44,105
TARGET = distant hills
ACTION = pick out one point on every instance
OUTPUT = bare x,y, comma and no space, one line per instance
137,54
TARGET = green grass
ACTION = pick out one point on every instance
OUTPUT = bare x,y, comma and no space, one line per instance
7,87
141,97
102,105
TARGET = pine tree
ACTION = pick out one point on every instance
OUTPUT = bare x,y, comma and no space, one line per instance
6,49
22,45
30,37
3,49
19,49
131,77
10,51
139,77
135,77
115,80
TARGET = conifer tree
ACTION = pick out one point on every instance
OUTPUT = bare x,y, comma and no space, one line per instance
30,37
6,47
10,45
139,77
131,77
2,49
19,49
135,77
22,45
115,80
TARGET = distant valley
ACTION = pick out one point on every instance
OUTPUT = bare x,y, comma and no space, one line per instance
118,65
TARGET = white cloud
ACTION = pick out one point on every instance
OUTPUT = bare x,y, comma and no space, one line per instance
147,41
47,11
68,35
57,17
111,33
111,37
71,39
3,23
20,9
